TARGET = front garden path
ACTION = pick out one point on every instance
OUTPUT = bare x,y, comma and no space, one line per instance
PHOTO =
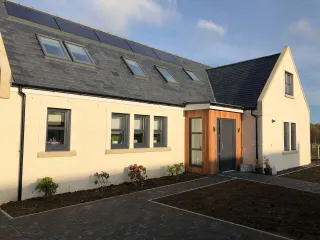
279,181
131,216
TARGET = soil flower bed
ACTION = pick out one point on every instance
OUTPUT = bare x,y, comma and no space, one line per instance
309,175
274,209
41,204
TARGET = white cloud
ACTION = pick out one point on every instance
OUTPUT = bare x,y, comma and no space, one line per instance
117,16
301,27
211,26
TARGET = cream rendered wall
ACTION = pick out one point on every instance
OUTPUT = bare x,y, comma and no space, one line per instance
276,106
90,137
248,138
10,117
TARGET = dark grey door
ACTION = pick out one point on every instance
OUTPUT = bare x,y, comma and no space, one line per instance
226,144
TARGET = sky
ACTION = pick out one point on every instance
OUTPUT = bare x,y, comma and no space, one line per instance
213,32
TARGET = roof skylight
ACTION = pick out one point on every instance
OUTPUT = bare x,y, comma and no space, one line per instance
166,74
135,68
192,75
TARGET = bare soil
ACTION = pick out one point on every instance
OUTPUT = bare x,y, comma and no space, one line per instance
41,204
309,175
275,209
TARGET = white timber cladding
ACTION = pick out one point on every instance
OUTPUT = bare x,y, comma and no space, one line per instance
278,108
208,106
90,142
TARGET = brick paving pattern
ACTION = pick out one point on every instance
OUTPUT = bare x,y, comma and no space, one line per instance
130,216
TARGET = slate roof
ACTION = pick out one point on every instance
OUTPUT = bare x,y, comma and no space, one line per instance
241,83
237,84
32,69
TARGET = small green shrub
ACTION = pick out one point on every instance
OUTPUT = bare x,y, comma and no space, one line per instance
115,138
137,174
101,179
47,186
175,169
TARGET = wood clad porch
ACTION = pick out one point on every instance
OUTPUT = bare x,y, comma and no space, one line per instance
209,139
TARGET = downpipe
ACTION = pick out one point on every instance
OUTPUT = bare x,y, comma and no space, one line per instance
21,150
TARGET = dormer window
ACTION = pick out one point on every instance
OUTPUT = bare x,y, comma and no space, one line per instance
52,47
166,74
191,75
135,68
288,83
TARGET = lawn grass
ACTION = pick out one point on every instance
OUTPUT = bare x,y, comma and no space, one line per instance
279,210
310,175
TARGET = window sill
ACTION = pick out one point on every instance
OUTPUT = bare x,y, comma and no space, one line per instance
290,152
53,154
289,96
137,150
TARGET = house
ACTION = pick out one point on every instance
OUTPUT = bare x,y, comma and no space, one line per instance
75,100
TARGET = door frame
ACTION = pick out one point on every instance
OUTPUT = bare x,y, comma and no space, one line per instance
218,143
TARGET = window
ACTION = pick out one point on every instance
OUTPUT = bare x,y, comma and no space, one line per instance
141,131
79,53
58,130
293,137
288,84
166,74
52,47
160,132
135,67
191,75
290,139
120,131
286,137
196,141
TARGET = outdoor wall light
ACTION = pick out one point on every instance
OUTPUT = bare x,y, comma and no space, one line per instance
214,129
238,129
273,120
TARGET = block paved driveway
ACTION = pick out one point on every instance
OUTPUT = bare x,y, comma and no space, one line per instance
130,216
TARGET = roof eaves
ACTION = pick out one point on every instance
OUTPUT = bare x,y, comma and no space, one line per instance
28,86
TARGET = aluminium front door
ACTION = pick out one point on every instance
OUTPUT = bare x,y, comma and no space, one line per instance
226,144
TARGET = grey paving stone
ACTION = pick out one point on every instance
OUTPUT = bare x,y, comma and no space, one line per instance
279,181
132,216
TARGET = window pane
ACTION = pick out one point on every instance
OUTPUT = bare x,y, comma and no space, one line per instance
56,119
117,137
196,157
196,125
286,136
52,47
192,75
196,141
55,137
157,124
139,137
138,123
293,136
117,123
135,67
157,138
79,53
166,74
